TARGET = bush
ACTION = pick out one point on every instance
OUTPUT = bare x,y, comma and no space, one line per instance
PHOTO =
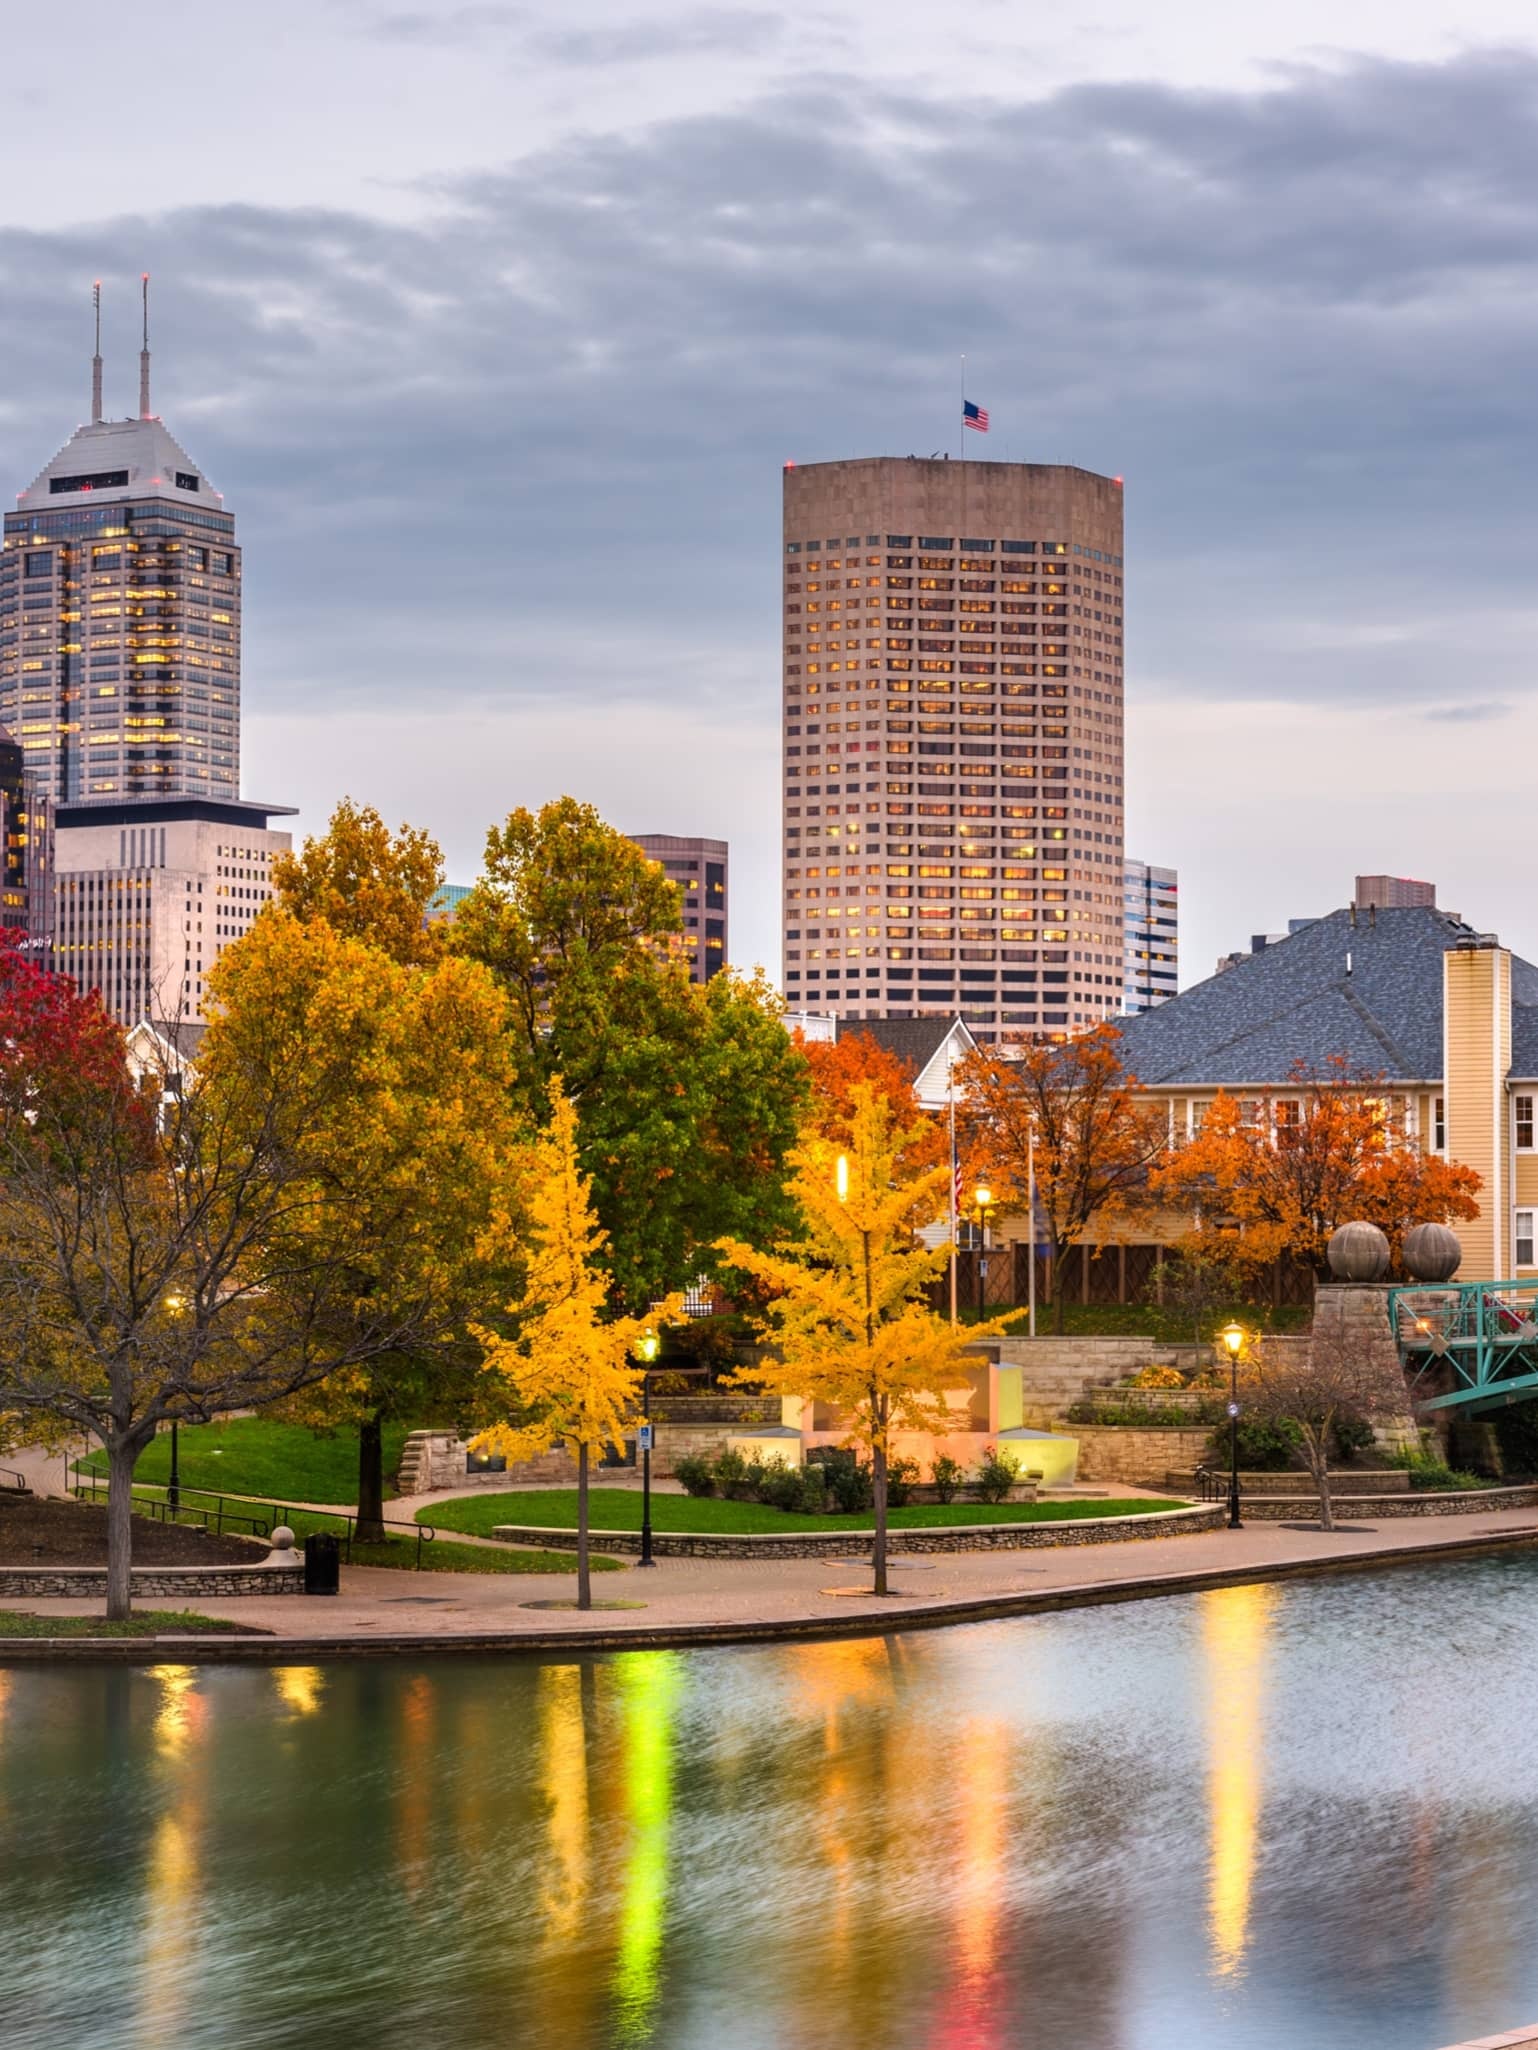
730,1471
814,1490
847,1477
947,1475
1352,1434
1266,1445
1158,1377
900,1477
779,1485
697,1474
1133,1414
997,1475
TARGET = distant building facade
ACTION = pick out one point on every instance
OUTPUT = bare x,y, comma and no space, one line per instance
952,743
1392,893
146,897
1150,935
700,868
120,618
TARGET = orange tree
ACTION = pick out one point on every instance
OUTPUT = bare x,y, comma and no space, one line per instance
1096,1141
1278,1173
838,1069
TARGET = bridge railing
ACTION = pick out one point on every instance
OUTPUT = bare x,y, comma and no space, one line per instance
1463,1314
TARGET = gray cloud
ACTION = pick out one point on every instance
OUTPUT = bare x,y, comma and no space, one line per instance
739,30
530,448
443,27
1469,715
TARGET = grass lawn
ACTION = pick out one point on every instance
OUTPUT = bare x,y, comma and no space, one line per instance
620,1509
144,1623
1152,1320
255,1456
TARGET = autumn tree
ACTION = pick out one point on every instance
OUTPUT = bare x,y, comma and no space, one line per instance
1075,1111
836,1068
848,1317
426,1139
366,882
175,1257
1337,1380
687,1098
1277,1173
568,1366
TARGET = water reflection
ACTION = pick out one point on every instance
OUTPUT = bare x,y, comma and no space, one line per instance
1274,1815
1236,1627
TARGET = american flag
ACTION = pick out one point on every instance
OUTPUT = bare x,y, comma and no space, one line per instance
974,416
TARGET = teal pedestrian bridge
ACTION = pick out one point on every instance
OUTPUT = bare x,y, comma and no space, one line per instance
1469,1346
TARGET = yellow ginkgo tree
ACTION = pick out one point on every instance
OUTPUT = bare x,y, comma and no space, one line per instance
568,1366
848,1321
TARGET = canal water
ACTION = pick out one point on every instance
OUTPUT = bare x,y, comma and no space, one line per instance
1268,1817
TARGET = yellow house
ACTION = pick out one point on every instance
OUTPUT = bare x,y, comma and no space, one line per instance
1445,1017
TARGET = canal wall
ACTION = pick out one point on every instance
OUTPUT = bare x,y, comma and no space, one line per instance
837,1544
1422,1502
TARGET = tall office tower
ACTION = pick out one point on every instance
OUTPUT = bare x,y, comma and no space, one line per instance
120,617
1152,936
147,896
699,867
13,839
1392,893
952,786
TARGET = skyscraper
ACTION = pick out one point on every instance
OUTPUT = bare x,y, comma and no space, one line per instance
1151,935
952,747
699,868
120,617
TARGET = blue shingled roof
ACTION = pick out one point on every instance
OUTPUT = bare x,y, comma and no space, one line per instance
1298,1000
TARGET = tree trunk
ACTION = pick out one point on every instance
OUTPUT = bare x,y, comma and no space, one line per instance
878,1491
584,1576
122,1458
1059,1295
370,1528
1319,1459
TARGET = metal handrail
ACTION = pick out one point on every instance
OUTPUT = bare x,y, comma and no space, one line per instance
1214,1483
14,1482
93,1486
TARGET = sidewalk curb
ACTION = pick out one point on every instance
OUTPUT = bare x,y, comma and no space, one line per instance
277,1650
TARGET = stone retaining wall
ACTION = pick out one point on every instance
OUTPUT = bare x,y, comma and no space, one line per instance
1457,1502
1349,1481
1137,1452
834,1544
81,1583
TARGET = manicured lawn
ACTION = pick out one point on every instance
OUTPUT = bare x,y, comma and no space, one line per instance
1152,1320
145,1623
620,1509
255,1456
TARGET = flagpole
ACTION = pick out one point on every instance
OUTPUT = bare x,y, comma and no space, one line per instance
1030,1178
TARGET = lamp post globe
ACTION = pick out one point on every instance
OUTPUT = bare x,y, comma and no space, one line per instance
982,1199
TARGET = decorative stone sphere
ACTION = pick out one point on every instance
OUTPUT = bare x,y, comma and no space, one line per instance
1358,1252
1431,1252
282,1539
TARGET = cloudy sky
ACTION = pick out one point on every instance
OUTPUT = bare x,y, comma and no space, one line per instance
495,324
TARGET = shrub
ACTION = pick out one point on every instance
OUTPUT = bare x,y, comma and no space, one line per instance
996,1475
779,1486
947,1475
1352,1434
1135,1414
697,1474
814,1490
730,1471
1158,1377
900,1477
1266,1445
848,1479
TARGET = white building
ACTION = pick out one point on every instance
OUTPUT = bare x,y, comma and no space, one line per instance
1151,936
148,895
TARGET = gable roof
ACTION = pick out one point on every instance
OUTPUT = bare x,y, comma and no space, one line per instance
1367,989
930,1045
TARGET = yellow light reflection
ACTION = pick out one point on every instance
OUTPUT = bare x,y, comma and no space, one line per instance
565,1778
651,1683
300,1688
1236,1628
180,1711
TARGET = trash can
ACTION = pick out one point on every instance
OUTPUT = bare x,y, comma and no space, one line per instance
322,1564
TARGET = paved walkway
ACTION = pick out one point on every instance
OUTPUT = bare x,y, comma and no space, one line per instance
709,1600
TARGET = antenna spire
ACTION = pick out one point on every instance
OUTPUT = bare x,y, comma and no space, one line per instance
144,353
96,359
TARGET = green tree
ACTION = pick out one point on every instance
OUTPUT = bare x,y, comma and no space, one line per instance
568,1367
366,882
426,1141
848,1319
687,1099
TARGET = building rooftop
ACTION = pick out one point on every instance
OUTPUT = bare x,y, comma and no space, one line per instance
165,811
116,460
1365,988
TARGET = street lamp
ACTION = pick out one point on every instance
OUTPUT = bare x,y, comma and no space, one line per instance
982,1197
175,1304
1232,1336
646,1348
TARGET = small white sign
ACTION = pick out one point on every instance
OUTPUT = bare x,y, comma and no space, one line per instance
643,1438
